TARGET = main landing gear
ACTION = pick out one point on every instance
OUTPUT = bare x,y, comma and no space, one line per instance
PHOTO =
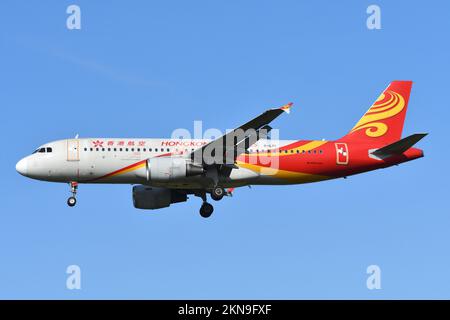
217,194
72,201
206,210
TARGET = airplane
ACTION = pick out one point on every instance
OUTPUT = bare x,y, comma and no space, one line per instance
166,171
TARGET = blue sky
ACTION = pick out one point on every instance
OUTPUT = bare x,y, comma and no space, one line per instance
144,68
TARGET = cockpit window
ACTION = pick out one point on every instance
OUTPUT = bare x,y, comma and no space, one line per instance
42,150
49,149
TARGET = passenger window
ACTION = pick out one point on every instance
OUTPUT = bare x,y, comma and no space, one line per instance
109,149
85,149
156,149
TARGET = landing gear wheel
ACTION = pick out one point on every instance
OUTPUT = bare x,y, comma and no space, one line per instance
217,193
206,210
71,201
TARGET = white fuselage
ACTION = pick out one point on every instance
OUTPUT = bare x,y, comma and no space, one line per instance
104,160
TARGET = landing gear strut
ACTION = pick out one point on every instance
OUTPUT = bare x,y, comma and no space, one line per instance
217,193
72,201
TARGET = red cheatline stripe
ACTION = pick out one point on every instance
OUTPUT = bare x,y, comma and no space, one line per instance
164,155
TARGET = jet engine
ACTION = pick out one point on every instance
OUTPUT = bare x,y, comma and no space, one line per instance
145,197
167,169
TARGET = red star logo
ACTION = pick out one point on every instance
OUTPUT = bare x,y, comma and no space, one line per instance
98,143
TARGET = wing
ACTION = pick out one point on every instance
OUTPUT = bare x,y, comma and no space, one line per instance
227,148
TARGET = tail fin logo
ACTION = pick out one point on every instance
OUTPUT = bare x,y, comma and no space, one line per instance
341,153
388,104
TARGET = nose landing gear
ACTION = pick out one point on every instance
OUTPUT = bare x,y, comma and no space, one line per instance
72,201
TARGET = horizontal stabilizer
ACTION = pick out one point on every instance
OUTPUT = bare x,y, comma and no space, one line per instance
399,146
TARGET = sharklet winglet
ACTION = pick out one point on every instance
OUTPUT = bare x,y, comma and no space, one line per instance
287,107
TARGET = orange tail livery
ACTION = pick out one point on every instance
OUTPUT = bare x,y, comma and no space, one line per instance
384,120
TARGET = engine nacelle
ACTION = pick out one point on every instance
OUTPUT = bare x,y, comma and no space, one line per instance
145,197
167,169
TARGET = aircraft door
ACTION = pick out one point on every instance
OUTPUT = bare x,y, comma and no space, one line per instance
73,150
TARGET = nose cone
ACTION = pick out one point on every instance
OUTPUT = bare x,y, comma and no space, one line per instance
22,167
